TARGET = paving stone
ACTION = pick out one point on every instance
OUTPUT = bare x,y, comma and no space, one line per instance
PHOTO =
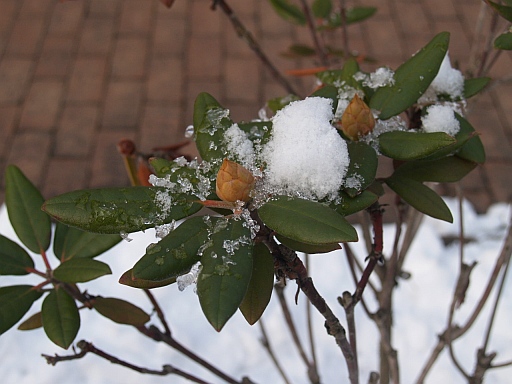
104,8
64,175
26,37
122,105
14,77
243,80
42,105
96,37
87,80
160,127
165,81
66,18
136,17
169,36
204,58
204,21
9,116
76,130
130,57
56,57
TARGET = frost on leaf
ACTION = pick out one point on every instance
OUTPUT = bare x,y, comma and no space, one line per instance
305,155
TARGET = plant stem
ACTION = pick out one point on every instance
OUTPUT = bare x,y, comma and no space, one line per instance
319,47
86,347
159,311
245,35
266,344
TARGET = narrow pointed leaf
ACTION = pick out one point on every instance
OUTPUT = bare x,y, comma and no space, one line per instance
120,311
350,205
362,168
175,254
307,248
445,170
226,272
210,123
23,201
260,287
412,79
474,86
33,322
321,8
61,320
472,149
504,41
14,260
115,210
403,145
306,221
328,92
340,76
420,197
71,242
80,270
288,11
15,301
130,281
503,10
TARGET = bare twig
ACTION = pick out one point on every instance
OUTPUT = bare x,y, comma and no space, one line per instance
157,335
266,344
86,347
158,311
245,35
311,335
343,16
319,46
312,374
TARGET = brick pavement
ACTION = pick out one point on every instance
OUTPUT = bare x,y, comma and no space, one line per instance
76,77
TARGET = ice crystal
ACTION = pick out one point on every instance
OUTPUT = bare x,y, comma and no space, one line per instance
189,278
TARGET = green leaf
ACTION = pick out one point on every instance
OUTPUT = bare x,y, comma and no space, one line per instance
14,260
412,79
115,210
15,301
321,8
340,76
504,41
353,15
61,320
23,201
420,197
350,205
33,322
471,149
289,12
226,271
210,123
406,145
503,10
445,170
80,270
299,50
130,281
175,254
362,168
71,243
120,311
328,92
260,287
307,248
306,221
474,86
278,103
257,131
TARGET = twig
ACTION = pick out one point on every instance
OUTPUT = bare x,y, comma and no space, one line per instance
158,311
245,35
343,16
319,47
157,335
266,344
86,347
347,302
311,334
351,261
312,374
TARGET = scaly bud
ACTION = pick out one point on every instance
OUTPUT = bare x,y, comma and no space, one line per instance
234,182
357,120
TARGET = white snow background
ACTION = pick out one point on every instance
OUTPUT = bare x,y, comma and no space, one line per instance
420,313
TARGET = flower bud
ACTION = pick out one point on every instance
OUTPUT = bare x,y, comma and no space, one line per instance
357,120
234,182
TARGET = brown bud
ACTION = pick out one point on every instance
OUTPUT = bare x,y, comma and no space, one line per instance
357,120
234,182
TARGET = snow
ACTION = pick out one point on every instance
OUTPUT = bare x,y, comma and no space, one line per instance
440,118
448,81
239,146
302,139
382,77
421,305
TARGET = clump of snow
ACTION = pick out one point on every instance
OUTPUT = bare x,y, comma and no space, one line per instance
440,118
449,81
189,278
382,77
238,145
305,155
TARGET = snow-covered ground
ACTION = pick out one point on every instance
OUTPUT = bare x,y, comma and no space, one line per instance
421,305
